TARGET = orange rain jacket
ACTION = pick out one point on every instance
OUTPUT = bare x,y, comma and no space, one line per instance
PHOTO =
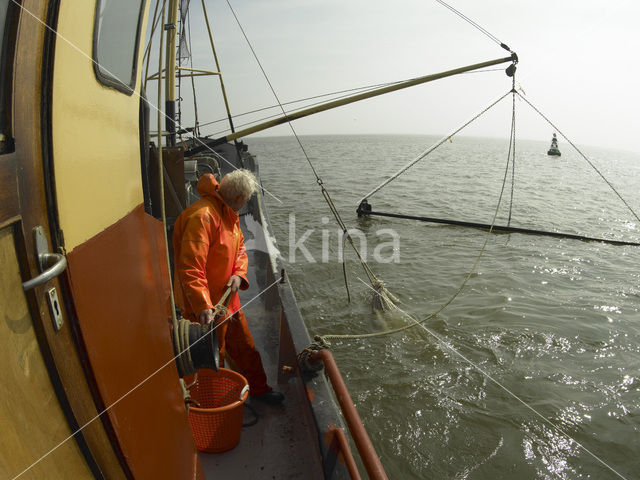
208,248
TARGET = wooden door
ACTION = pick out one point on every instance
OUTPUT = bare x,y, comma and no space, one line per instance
118,274
96,338
49,424
32,421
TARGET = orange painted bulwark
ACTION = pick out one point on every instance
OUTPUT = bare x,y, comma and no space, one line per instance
120,288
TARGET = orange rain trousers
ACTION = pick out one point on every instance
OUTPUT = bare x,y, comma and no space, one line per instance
234,339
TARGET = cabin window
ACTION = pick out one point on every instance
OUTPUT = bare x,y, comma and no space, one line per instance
9,14
116,38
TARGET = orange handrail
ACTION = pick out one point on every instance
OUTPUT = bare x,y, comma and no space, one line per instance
343,447
367,452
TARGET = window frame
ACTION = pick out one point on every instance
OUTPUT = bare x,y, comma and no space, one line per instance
8,44
106,79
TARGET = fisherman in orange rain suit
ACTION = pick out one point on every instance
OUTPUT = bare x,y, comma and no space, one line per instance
210,256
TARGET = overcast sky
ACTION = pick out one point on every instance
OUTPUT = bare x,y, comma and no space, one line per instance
578,65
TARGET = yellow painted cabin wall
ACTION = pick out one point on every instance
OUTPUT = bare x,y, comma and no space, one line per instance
96,143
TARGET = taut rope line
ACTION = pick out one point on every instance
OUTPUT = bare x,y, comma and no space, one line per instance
492,37
383,295
364,88
182,342
582,155
433,147
324,338
337,95
512,143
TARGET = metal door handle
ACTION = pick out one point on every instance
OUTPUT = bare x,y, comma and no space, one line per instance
55,264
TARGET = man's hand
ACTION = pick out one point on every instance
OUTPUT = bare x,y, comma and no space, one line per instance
206,316
234,282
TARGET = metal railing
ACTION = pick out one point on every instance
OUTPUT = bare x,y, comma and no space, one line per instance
365,448
341,446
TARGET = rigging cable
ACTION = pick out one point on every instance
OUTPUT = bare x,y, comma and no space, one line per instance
365,88
512,142
512,145
432,148
163,212
583,156
324,338
194,138
264,73
294,110
493,38
384,297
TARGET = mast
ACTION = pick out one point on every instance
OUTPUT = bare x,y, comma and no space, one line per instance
174,71
215,57
170,79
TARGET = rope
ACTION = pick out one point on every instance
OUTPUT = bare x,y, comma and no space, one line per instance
221,307
289,112
264,73
512,142
334,96
383,297
582,155
183,345
474,24
510,155
174,318
344,269
431,149
185,360
325,338
254,412
364,89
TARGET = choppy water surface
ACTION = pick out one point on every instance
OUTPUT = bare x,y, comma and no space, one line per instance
553,322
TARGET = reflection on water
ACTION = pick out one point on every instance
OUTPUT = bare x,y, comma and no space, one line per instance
554,321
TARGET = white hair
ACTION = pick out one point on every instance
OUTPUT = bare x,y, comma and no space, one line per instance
237,183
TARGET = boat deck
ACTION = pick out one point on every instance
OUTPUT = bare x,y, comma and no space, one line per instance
284,442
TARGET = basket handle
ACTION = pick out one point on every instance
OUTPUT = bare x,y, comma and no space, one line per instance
244,390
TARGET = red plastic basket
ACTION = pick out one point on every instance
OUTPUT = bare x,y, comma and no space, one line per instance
217,422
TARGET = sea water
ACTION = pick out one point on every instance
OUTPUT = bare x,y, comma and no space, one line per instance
532,371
